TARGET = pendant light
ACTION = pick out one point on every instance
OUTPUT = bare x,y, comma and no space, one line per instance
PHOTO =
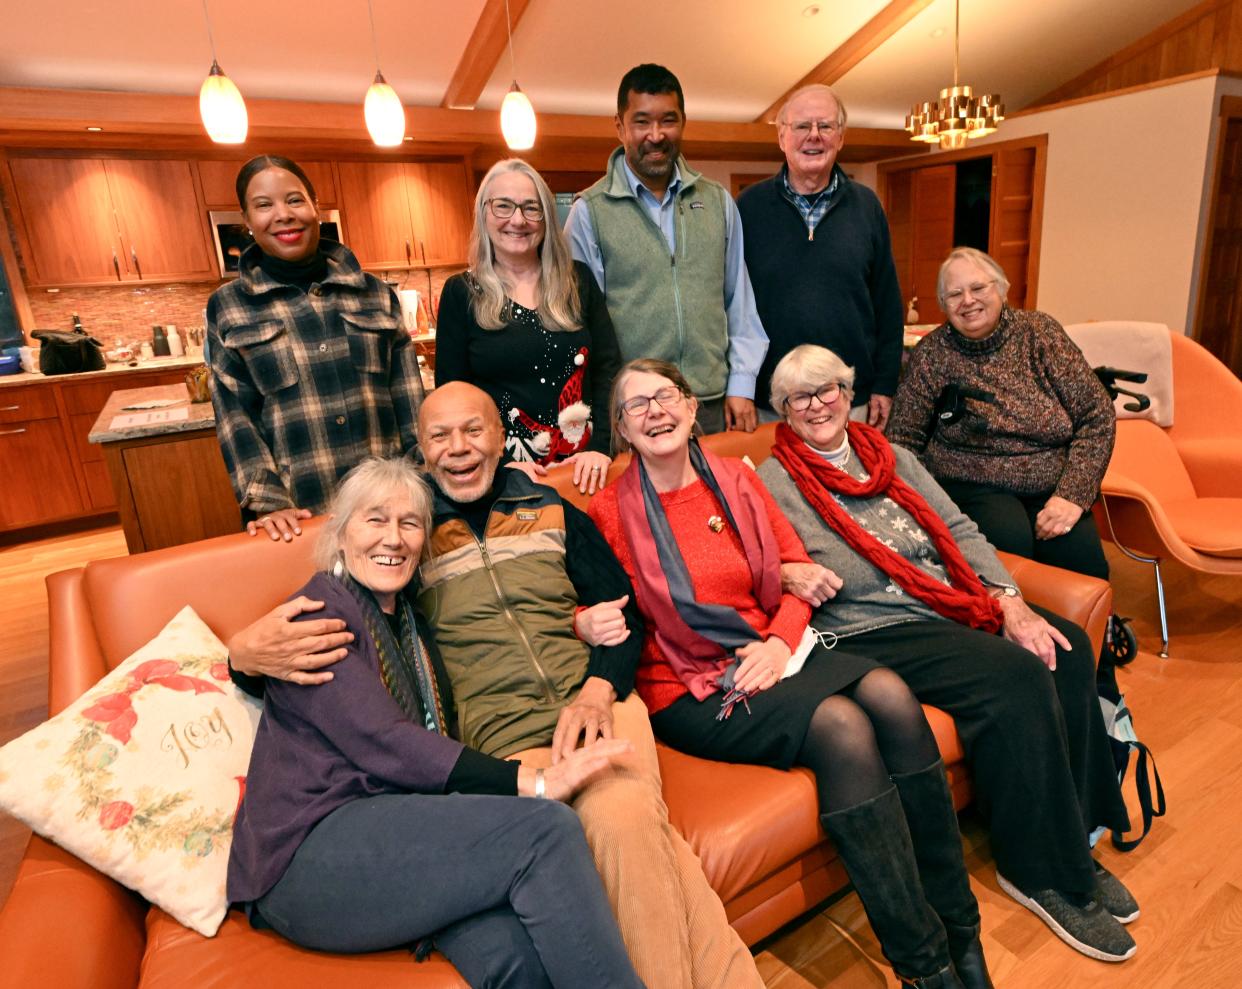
517,116
384,113
220,103
958,115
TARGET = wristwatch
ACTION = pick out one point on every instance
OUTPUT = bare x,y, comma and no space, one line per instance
1005,592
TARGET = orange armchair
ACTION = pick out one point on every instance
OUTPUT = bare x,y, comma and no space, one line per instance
1176,491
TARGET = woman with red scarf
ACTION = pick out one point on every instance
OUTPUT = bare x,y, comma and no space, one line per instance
703,544
913,585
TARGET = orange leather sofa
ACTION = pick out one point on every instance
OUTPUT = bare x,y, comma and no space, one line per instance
66,926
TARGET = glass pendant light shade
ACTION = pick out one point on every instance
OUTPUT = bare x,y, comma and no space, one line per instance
222,109
517,120
384,114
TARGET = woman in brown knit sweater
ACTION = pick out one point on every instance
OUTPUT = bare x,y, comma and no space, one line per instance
1004,411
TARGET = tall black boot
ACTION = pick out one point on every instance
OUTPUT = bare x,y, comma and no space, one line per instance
874,842
928,806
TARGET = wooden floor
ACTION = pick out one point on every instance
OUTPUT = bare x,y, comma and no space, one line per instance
1187,875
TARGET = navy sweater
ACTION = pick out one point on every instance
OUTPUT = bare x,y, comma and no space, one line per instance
838,290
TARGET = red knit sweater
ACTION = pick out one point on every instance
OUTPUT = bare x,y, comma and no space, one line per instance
718,571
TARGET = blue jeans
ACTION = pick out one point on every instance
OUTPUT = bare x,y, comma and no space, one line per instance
506,885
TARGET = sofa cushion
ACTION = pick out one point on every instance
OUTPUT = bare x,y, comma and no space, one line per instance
239,957
141,776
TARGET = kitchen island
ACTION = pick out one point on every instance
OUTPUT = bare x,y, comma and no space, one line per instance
167,473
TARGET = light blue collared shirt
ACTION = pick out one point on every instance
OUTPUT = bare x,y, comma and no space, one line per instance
748,343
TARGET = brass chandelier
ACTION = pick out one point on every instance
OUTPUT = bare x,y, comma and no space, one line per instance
958,115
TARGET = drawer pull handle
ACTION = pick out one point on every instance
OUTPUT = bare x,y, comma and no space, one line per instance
116,265
11,432
10,408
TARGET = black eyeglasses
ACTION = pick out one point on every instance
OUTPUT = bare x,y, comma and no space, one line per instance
502,209
666,398
800,401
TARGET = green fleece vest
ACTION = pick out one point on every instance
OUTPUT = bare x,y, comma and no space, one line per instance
666,306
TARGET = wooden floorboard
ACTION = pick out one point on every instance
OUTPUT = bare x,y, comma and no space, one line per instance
1187,875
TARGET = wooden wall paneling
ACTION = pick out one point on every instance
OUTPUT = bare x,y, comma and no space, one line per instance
1218,322
163,224
899,209
933,195
1009,236
440,211
67,228
1205,37
376,212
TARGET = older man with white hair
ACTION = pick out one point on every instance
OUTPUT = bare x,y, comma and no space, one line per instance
819,257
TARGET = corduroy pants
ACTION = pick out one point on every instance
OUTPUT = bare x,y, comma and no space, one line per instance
673,923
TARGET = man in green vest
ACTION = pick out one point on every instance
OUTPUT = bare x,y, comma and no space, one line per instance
665,245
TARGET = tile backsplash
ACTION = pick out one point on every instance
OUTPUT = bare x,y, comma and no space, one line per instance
129,311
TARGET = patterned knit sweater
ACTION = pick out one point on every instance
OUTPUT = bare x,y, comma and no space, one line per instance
1048,430
718,570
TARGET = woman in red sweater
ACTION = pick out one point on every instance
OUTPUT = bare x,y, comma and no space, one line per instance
703,543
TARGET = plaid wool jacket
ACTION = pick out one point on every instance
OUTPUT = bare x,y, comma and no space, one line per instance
307,384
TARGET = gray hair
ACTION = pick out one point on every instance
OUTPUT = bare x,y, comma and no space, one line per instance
559,305
975,256
365,486
782,115
807,368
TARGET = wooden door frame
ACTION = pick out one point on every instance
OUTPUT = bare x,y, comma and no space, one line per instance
1230,109
1037,142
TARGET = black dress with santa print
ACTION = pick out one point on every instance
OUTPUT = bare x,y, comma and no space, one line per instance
551,386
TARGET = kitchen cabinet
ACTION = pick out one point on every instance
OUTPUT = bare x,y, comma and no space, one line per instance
219,180
405,214
51,473
91,221
39,483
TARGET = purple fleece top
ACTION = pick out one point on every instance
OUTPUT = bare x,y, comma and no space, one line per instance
318,748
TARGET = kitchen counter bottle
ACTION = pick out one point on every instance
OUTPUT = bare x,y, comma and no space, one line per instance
159,342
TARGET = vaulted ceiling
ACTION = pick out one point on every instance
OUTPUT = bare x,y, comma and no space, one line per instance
734,57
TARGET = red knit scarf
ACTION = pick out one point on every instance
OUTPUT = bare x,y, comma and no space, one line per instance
966,601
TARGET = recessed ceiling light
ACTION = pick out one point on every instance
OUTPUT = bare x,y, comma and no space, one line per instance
938,33
94,128
810,11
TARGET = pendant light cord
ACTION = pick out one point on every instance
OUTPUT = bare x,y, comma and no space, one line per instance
509,27
957,36
211,40
374,43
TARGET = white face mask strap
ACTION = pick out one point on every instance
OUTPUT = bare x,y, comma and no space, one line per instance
824,638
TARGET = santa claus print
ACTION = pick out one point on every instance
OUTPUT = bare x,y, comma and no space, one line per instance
549,443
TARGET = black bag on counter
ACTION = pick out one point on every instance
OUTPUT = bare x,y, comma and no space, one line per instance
68,353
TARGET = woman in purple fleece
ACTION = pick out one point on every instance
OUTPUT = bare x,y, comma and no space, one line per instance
366,826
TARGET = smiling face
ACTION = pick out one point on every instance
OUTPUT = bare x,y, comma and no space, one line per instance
514,237
658,431
821,424
809,149
971,298
650,130
381,545
461,438
282,217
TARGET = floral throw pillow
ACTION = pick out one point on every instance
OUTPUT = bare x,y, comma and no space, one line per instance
141,776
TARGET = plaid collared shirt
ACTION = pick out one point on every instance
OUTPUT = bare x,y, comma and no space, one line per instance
813,207
307,384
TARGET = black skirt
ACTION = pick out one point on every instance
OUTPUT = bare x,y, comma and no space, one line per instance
772,733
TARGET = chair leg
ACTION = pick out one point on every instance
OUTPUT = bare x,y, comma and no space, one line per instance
1164,618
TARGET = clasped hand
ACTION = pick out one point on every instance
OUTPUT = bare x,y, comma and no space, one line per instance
763,664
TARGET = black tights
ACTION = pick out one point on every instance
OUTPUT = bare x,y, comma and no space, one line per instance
858,737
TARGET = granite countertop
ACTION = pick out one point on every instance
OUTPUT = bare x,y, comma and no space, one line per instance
183,417
155,364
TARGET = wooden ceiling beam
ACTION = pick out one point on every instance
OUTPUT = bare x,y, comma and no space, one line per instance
858,46
58,118
482,53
